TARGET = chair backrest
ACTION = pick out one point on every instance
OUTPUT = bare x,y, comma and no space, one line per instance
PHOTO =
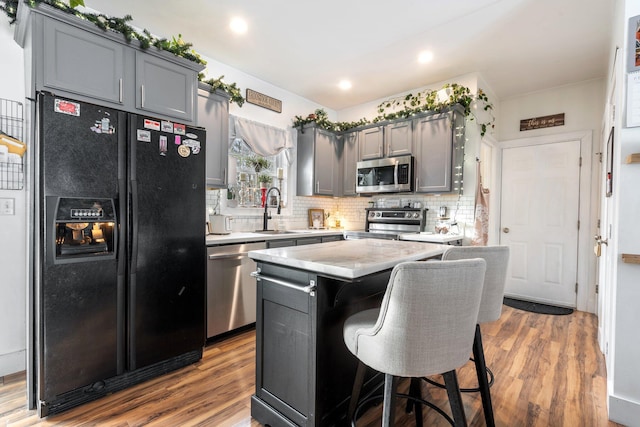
427,319
497,258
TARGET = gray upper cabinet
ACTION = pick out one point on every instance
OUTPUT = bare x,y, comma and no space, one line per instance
438,146
213,115
165,88
82,63
74,58
349,161
318,162
371,142
398,138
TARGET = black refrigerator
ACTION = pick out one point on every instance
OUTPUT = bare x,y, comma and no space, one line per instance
120,265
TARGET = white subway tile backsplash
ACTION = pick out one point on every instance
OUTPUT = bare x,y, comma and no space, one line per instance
350,210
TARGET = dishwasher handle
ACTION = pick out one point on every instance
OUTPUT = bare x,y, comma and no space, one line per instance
310,289
229,255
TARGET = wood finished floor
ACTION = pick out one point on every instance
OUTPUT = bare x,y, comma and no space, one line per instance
549,372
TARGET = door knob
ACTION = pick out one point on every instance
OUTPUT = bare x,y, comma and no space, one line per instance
506,229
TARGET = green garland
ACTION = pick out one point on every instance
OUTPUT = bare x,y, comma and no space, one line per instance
407,106
235,94
176,45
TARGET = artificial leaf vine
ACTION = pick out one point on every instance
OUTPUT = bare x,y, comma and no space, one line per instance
410,105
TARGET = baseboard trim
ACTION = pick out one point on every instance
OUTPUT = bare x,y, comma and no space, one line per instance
11,363
623,411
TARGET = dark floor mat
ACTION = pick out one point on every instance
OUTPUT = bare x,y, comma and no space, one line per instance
535,307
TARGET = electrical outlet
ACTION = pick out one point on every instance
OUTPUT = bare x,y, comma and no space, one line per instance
7,206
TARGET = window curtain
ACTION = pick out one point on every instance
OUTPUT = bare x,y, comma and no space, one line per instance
262,139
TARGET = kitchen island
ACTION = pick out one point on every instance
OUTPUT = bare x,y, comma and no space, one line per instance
304,372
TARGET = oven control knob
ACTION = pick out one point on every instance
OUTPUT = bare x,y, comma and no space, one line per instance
372,214
378,214
416,215
407,215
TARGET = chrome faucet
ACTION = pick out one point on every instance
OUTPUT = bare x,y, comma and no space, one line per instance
266,217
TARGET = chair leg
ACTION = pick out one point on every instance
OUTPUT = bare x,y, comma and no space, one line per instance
455,398
483,383
388,407
357,388
415,391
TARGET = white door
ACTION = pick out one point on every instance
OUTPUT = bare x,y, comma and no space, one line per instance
539,221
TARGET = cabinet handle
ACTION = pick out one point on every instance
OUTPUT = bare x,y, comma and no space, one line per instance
120,90
224,176
310,289
317,186
141,96
417,181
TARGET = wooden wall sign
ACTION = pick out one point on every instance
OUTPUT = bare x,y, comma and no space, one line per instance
264,101
542,122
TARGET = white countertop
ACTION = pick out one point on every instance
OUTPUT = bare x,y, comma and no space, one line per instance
349,259
240,237
431,237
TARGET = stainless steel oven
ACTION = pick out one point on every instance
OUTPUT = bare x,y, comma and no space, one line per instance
389,223
389,175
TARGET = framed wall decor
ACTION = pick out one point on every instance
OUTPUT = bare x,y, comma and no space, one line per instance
609,160
316,218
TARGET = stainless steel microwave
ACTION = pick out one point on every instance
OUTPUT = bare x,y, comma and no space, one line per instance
388,175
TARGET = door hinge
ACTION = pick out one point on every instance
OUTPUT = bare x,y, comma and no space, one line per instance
576,287
580,162
598,224
597,289
578,224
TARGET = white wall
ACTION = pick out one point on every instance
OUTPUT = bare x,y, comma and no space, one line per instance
582,103
12,227
624,346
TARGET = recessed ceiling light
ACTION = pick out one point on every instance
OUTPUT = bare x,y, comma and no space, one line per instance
425,56
238,25
344,85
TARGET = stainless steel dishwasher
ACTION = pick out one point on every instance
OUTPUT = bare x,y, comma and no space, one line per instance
231,291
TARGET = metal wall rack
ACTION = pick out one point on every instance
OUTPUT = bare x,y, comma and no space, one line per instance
11,123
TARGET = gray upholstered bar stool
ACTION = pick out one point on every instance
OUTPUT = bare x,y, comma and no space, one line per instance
497,259
425,326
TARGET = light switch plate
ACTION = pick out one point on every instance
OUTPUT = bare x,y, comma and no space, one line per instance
7,206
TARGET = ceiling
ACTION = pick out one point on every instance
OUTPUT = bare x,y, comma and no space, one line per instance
517,46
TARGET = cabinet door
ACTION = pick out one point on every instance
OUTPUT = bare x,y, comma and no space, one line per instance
80,62
349,163
164,87
308,241
371,143
285,368
213,115
433,147
280,243
325,162
398,138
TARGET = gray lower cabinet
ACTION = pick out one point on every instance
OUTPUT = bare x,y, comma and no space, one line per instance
74,58
213,115
318,162
281,243
438,150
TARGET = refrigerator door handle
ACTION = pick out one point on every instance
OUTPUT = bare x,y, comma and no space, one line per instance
134,225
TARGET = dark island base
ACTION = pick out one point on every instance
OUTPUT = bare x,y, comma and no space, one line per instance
304,372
